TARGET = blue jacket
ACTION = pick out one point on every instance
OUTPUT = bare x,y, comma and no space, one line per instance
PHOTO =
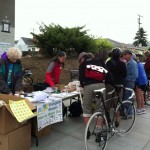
142,78
132,70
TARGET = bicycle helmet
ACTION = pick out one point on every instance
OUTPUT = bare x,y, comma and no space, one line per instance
116,52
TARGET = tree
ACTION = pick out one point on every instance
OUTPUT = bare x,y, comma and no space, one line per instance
54,37
102,47
103,44
140,38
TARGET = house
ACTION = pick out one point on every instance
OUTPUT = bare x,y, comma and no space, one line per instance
26,44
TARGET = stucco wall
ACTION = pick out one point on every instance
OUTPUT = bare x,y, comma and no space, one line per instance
7,8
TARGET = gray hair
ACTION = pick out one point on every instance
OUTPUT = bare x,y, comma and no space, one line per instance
14,52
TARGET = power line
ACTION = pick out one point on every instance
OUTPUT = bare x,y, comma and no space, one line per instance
139,23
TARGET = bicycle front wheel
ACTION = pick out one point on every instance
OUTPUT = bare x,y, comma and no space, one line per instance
125,117
95,137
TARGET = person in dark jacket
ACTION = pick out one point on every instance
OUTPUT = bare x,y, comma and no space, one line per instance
11,72
116,66
90,82
147,65
54,69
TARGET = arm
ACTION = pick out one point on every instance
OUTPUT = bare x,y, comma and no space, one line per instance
123,70
82,74
3,84
48,76
18,80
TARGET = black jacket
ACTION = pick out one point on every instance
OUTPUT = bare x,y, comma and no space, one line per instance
118,70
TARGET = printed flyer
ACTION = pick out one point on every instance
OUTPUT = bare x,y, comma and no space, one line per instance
49,113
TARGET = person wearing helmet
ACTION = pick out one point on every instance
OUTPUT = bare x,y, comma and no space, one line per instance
119,72
116,66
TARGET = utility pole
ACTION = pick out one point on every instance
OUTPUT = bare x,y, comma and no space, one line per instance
139,23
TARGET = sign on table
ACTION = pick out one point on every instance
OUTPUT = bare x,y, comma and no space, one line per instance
49,113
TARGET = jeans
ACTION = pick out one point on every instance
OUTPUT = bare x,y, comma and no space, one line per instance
127,94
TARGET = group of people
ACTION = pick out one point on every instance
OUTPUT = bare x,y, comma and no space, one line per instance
94,73
122,68
11,73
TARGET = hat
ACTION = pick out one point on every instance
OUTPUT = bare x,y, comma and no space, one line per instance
82,54
127,52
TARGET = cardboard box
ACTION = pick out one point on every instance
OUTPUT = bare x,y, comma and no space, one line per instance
19,139
7,121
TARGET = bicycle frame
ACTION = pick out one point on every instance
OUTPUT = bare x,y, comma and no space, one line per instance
116,91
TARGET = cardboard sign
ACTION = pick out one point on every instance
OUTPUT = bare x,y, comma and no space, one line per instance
49,113
20,110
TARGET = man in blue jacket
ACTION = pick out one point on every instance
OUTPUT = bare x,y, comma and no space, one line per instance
132,75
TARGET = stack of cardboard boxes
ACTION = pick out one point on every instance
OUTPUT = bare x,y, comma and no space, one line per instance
13,135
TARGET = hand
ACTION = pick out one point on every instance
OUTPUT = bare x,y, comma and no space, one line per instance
10,94
53,87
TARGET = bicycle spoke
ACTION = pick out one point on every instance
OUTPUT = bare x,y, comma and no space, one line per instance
125,116
96,132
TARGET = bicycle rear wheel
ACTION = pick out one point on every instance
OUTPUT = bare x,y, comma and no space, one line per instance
96,138
27,84
126,116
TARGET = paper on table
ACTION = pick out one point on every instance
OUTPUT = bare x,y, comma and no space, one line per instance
60,95
20,110
40,96
48,90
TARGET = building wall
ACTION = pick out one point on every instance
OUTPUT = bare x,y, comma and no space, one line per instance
7,8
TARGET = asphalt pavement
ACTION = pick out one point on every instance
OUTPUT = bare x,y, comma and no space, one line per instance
69,135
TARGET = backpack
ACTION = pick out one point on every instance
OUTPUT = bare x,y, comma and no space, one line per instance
64,110
95,72
75,109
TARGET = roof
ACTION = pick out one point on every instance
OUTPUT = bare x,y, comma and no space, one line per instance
28,41
118,44
16,41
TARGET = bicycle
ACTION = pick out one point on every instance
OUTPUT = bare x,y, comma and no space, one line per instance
27,81
96,137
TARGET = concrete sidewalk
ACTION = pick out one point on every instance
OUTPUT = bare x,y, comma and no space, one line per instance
68,135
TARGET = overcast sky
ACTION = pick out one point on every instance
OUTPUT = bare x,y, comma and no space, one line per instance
114,19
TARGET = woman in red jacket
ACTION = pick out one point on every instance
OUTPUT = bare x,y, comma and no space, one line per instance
54,69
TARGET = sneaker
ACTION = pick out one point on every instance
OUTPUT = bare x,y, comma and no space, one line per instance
129,116
101,136
116,124
139,112
143,110
98,134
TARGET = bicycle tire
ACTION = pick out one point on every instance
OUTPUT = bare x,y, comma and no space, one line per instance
126,122
97,139
147,96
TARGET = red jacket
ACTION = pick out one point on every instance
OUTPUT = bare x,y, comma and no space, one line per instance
147,67
52,75
147,64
